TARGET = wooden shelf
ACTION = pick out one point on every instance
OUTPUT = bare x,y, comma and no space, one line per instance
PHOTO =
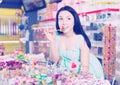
9,38
9,41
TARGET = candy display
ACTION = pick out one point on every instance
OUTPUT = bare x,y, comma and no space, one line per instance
109,54
26,69
26,52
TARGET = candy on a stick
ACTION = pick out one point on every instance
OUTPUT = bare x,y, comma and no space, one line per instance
61,29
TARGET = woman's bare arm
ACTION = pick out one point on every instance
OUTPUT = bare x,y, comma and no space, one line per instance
84,57
54,53
51,36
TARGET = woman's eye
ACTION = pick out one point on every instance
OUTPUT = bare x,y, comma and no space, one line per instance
60,18
69,18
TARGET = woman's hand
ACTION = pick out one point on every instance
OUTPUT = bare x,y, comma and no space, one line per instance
50,34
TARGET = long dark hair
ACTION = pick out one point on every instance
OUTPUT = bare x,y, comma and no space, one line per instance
77,26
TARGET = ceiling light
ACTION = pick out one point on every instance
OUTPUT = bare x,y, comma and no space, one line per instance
1,1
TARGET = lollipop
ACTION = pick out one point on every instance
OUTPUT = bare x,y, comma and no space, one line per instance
61,29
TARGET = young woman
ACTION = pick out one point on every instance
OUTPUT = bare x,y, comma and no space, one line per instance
70,46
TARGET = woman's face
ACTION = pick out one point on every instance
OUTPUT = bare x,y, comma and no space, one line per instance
66,21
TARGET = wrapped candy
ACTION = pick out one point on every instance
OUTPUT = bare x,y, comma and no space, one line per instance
61,29
2,65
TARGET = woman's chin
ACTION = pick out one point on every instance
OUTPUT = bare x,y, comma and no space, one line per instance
65,31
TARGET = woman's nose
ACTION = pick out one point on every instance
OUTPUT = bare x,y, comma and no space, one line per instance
64,22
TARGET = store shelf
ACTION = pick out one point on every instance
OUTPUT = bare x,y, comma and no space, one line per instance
118,49
9,38
117,72
9,42
42,41
118,60
97,43
100,10
47,20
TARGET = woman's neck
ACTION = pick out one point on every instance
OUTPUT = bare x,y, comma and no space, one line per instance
69,35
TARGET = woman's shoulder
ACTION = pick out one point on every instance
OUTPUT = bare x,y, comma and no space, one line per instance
80,40
80,37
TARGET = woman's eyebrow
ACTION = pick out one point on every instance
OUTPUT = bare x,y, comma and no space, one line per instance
68,16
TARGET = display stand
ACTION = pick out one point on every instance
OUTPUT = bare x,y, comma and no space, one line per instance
101,30
9,31
40,43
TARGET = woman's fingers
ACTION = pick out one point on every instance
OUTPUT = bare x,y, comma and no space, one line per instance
50,34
